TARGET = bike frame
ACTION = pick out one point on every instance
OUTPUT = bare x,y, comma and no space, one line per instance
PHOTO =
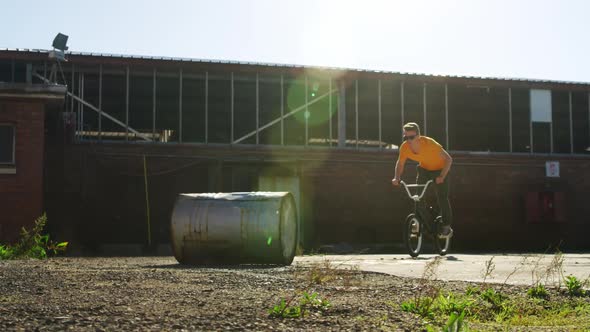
420,211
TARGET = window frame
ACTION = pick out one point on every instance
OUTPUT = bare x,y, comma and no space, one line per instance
11,163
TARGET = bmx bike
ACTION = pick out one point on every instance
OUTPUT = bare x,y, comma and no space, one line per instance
423,220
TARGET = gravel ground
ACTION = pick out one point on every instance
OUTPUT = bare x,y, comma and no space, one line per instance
156,293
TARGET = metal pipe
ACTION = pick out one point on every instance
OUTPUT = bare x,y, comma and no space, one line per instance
108,116
73,85
402,102
100,102
424,108
571,124
306,114
94,108
257,110
531,127
12,71
206,107
231,135
78,111
342,115
551,133
147,201
379,111
29,73
298,109
356,110
330,112
447,115
510,117
283,111
154,102
82,106
180,106
127,103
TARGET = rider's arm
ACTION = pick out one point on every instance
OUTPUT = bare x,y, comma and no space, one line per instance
399,165
448,161
399,168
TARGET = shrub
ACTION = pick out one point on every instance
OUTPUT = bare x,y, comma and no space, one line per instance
538,291
574,286
33,244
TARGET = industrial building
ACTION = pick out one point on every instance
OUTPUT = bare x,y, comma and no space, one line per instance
133,132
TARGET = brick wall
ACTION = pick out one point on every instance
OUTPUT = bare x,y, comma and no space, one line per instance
97,193
21,194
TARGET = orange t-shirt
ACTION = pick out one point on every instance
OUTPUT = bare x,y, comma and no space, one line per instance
429,157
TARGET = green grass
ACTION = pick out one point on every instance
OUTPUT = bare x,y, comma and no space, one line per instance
492,310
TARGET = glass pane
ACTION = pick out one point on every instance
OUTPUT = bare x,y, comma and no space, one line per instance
6,144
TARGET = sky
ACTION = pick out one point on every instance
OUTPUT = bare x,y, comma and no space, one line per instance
533,39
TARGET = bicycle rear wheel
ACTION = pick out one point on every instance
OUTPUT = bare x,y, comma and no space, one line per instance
413,240
442,244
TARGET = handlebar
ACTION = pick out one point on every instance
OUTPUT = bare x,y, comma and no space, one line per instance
416,198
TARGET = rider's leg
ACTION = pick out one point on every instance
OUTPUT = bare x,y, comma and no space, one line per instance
442,196
423,176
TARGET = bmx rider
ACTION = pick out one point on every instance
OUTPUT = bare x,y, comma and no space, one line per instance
434,163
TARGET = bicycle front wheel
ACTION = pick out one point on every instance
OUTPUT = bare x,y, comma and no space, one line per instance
413,235
442,244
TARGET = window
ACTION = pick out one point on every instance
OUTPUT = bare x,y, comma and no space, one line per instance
7,133
540,105
542,120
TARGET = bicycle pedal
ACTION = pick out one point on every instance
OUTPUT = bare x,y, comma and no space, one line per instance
441,236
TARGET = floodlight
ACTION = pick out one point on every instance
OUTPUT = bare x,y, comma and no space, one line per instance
60,41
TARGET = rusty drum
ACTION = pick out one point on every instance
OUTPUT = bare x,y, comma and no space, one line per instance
244,227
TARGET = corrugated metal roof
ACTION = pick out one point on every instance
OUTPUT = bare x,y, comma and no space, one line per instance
264,64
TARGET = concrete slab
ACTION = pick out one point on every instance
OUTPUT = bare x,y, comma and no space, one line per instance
516,269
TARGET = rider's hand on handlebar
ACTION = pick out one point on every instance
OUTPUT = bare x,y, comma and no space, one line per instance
440,180
395,182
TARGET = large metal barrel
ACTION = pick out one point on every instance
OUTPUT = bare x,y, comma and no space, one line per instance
249,227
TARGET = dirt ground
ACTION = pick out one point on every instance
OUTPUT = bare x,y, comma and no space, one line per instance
156,293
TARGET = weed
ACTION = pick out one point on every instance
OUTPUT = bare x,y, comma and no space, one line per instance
313,301
455,323
574,286
426,293
33,244
514,270
6,252
539,291
420,306
555,268
505,311
307,302
322,273
431,269
319,274
494,298
472,290
283,310
490,266
451,303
